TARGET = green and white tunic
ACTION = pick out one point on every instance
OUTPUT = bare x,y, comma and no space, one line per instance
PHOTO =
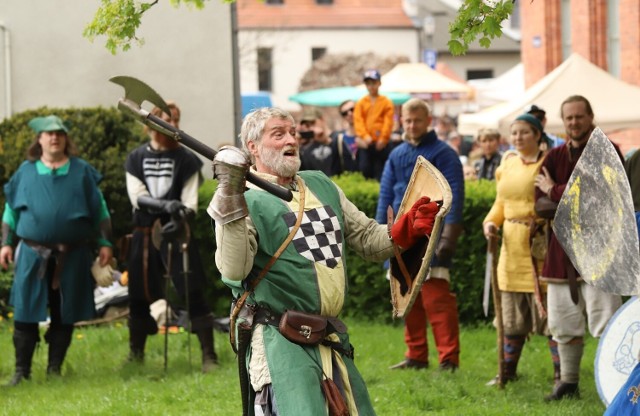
309,276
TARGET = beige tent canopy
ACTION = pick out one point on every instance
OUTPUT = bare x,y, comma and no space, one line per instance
422,81
614,102
500,89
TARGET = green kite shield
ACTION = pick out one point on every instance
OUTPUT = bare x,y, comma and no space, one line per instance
595,221
425,180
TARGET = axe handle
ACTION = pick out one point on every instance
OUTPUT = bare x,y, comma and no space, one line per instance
201,148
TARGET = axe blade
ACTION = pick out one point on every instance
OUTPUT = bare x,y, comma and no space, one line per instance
138,92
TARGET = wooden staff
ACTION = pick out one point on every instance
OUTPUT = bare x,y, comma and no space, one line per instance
492,248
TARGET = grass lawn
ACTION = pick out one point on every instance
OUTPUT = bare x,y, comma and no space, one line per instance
97,381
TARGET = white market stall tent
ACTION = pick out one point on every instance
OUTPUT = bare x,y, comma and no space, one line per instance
492,91
614,101
420,80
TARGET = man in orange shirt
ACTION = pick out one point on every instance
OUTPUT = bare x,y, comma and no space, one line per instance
373,121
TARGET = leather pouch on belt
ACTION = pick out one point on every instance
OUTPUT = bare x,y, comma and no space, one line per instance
303,328
545,207
335,401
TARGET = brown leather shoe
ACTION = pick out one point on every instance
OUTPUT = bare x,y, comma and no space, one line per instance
563,391
409,363
448,366
496,380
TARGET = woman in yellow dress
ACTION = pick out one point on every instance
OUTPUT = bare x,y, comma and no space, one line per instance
513,211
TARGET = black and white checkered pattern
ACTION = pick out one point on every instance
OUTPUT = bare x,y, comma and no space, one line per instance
319,238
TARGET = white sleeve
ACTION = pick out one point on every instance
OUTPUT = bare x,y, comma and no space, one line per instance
135,189
237,246
364,235
189,195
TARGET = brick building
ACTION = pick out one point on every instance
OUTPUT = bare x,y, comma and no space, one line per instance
605,32
278,40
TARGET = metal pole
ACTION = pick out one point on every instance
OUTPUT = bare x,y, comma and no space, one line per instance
185,271
166,312
235,62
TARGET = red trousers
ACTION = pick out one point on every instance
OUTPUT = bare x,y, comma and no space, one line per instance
435,304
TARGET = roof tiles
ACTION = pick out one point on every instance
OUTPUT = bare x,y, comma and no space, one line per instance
306,14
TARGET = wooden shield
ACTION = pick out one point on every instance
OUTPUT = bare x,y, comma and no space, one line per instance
595,221
618,349
425,180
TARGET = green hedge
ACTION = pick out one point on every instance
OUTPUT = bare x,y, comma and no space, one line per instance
368,288
105,136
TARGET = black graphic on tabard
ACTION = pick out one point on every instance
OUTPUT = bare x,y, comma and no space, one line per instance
319,238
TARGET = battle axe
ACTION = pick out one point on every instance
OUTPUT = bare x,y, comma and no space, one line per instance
136,92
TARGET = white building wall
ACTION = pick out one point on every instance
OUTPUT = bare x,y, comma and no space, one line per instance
498,62
187,57
292,53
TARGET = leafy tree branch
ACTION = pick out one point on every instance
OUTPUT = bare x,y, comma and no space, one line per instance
478,18
119,20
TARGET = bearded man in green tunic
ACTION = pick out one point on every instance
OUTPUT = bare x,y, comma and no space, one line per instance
53,216
307,275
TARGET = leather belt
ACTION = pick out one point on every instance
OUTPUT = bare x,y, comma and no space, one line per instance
267,317
523,220
60,251
573,281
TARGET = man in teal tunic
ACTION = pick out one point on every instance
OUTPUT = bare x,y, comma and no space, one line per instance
53,216
308,276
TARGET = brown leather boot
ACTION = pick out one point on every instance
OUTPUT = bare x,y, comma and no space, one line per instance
409,363
563,391
513,345
509,374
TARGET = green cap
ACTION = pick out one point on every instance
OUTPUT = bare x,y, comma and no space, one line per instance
310,114
49,123
532,120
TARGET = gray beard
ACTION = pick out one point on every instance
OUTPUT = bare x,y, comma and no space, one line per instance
276,161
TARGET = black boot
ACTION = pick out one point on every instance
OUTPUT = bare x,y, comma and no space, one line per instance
202,326
563,391
24,342
139,329
59,339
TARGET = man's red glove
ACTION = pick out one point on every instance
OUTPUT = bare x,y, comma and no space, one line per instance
416,223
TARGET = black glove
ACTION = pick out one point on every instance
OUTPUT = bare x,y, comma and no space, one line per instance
174,208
